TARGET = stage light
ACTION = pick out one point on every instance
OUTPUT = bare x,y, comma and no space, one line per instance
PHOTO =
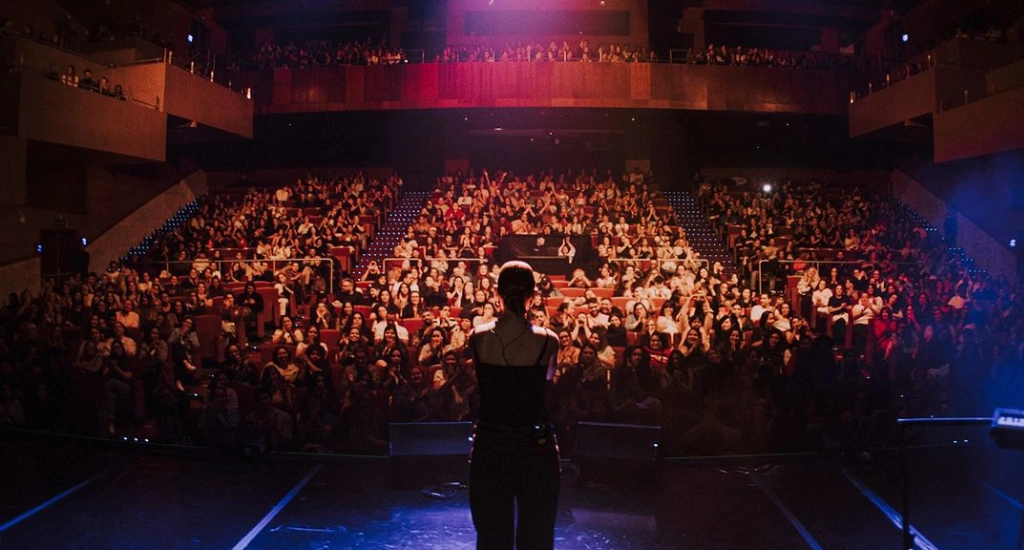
191,38
767,188
906,37
39,249
85,242
1013,243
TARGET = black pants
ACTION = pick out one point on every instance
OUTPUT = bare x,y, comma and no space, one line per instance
514,472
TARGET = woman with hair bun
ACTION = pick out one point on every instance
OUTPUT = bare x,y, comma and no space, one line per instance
514,465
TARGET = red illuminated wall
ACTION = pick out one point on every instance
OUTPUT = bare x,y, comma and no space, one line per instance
515,84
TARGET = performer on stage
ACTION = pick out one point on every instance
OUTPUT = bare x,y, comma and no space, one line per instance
514,468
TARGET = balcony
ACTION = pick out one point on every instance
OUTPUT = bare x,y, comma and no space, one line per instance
51,112
987,126
197,99
206,109
526,84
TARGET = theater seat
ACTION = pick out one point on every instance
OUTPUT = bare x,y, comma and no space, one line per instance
413,325
209,330
270,307
621,302
571,292
330,337
604,292
620,354
554,301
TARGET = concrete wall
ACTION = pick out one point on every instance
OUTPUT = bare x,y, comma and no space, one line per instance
20,276
988,253
193,97
988,126
954,85
117,240
55,113
107,199
908,99
1004,78
113,243
146,83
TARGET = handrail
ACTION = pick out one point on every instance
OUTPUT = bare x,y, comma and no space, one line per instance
672,59
191,68
166,264
128,98
704,262
136,62
422,56
816,263
428,260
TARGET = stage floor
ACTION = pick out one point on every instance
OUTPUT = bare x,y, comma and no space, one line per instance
965,496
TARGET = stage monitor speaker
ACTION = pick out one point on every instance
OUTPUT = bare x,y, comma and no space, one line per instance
1008,428
618,453
60,251
429,453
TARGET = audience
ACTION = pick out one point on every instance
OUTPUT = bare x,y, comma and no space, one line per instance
583,51
844,312
765,57
322,53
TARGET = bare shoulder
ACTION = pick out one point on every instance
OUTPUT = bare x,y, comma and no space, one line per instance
480,329
545,332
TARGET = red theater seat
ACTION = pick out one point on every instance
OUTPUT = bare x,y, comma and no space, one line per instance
412,325
209,331
330,337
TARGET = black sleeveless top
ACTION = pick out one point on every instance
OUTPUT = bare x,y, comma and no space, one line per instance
513,395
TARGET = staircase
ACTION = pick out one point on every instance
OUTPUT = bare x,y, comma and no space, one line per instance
382,245
699,232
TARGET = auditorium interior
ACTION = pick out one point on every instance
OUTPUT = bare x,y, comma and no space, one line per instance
244,243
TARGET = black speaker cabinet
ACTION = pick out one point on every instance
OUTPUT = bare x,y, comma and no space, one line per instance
60,251
429,453
617,453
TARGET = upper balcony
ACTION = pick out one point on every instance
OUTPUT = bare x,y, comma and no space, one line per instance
992,123
158,96
52,112
544,84
965,98
952,74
